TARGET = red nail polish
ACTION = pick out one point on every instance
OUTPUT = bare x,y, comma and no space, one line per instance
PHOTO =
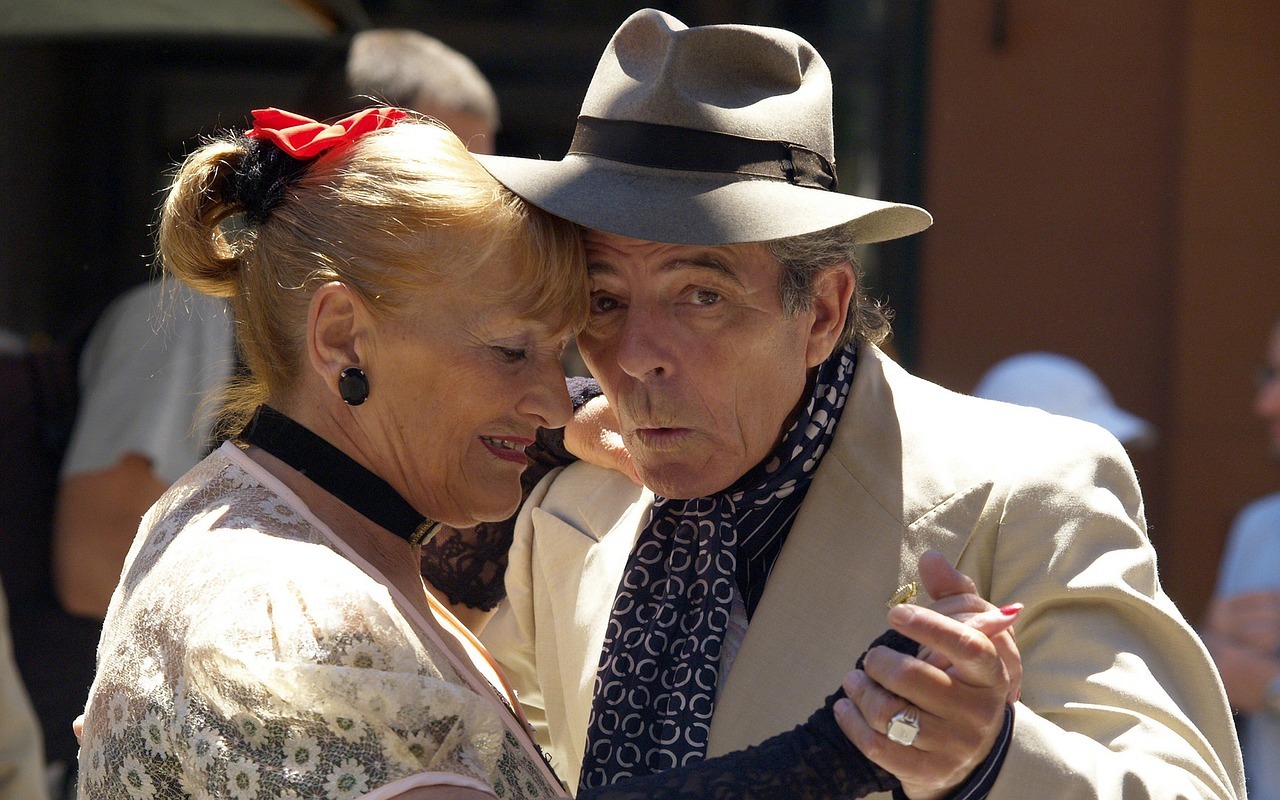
1011,609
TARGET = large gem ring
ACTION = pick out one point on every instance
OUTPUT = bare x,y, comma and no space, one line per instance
904,726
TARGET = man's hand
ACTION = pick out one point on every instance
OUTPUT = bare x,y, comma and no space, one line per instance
959,684
595,436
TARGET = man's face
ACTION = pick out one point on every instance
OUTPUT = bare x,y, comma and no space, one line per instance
1267,403
693,350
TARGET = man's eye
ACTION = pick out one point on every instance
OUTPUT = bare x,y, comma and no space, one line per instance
511,354
705,297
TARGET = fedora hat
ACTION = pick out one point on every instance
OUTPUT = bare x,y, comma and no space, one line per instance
712,135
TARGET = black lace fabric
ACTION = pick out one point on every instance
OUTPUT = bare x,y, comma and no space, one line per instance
468,564
813,761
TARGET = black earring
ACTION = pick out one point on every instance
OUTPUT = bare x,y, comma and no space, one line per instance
353,386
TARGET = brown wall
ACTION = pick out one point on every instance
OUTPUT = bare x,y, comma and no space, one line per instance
1227,284
1100,192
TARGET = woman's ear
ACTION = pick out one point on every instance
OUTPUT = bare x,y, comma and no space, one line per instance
833,289
337,324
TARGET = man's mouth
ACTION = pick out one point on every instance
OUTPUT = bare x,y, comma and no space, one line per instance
656,437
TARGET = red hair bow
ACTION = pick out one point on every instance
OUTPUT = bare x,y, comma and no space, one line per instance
304,138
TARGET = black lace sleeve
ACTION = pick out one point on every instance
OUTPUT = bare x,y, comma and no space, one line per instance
467,564
813,761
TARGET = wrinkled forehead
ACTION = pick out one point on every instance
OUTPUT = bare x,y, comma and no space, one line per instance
610,253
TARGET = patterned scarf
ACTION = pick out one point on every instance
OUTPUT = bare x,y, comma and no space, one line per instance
659,668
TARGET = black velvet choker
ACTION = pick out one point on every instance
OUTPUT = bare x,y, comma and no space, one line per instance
338,474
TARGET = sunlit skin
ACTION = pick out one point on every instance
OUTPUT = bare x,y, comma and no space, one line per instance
694,351
458,389
1267,403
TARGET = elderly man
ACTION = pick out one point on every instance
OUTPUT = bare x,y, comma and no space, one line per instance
794,476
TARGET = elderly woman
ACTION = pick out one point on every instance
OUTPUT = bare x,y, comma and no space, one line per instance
271,635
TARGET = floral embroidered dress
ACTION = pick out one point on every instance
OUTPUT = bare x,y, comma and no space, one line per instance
249,653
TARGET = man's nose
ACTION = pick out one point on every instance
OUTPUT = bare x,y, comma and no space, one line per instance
645,343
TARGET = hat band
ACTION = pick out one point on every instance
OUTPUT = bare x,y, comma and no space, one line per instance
647,144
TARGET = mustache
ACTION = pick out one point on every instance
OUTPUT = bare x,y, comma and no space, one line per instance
644,409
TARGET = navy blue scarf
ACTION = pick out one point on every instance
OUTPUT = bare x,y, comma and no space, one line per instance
659,668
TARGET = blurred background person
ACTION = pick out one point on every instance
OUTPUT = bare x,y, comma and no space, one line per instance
1243,627
22,774
409,69
1062,385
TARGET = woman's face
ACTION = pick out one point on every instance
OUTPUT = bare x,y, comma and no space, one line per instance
459,386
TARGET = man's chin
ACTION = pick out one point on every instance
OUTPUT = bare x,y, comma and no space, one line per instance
682,481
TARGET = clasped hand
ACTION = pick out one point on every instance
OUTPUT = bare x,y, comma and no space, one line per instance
967,670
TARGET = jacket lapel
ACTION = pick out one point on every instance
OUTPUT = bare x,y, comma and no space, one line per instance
581,565
865,521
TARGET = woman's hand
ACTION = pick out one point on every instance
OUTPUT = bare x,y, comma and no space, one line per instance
595,436
955,595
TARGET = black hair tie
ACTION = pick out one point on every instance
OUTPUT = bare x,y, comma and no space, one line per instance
264,174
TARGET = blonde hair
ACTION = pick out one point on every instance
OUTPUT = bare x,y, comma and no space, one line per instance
390,215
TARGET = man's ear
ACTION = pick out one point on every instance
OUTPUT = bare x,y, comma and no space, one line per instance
337,322
833,289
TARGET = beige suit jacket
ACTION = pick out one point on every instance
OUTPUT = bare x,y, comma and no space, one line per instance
1119,700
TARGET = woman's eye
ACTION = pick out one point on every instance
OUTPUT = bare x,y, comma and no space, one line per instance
705,297
511,354
601,303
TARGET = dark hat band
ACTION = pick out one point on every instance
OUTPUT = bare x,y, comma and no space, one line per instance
646,144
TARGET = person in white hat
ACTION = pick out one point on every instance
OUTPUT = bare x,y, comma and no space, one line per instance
1062,385
796,480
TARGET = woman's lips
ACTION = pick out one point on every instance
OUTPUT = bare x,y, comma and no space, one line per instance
508,448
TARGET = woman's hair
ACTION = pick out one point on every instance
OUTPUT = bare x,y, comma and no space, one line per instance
390,215
805,257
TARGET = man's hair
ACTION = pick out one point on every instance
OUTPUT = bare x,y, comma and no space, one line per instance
410,69
803,258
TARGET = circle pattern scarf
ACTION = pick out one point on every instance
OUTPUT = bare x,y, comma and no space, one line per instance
659,667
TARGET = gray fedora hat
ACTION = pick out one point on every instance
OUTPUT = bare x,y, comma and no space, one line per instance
711,135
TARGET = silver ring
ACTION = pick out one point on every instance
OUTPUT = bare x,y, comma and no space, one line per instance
904,726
